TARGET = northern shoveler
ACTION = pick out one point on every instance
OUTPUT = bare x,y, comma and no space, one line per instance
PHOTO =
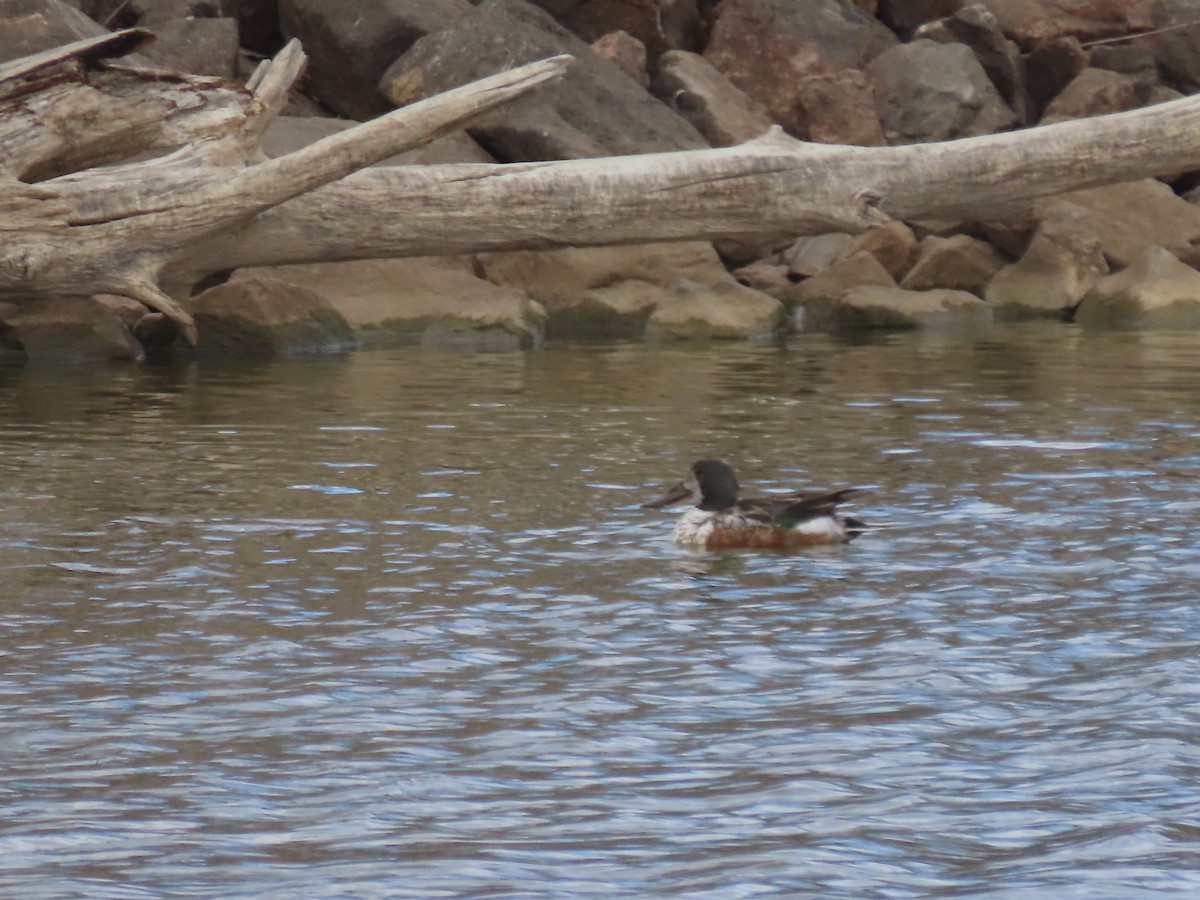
722,519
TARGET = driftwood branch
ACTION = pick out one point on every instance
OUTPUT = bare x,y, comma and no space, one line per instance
151,229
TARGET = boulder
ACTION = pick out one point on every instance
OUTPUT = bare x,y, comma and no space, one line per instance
659,24
1177,48
1127,218
925,91
399,301
31,26
976,27
766,47
905,16
658,290
625,52
594,110
196,45
811,255
69,329
1029,22
147,13
770,278
959,262
351,43
691,85
1135,63
261,315
838,108
289,133
1093,92
893,244
1050,67
812,302
1061,264
1157,291
873,306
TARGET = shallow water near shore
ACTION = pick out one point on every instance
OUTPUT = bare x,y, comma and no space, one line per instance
393,624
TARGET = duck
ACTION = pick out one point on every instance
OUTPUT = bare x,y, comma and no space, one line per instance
725,520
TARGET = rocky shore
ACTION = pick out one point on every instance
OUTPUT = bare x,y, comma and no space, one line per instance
668,75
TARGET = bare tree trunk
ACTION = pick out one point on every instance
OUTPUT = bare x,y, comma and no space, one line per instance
151,229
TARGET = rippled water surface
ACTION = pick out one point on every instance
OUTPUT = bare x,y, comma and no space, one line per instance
394,625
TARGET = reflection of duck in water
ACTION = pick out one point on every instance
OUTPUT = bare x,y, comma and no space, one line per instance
723,520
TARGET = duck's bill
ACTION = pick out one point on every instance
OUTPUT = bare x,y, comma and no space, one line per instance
680,492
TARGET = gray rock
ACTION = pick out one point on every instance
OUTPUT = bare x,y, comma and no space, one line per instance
351,43
71,329
1093,92
925,91
1178,47
198,46
812,302
691,85
594,110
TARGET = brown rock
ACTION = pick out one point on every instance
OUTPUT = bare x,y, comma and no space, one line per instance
812,302
1093,92
691,86
1157,291
1029,22
69,329
593,110
811,255
1062,263
660,25
31,26
893,244
959,263
351,43
264,316
925,91
1127,218
838,108
871,307
662,290
625,52
766,46
770,278
391,301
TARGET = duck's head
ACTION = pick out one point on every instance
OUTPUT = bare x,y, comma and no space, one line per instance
712,479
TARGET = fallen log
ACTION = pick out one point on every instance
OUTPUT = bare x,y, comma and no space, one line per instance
209,201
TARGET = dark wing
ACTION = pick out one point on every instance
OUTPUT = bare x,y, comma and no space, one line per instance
790,510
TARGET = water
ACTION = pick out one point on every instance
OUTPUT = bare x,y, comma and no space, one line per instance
393,625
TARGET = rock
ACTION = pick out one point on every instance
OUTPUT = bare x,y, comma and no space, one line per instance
1157,291
258,22
351,43
766,46
1061,264
690,85
1050,67
289,133
1134,63
838,108
156,12
812,302
976,27
660,25
810,255
905,16
625,52
264,316
659,290
1130,217
198,46
1093,92
398,301
31,26
961,263
764,276
874,306
1029,22
1177,48
925,91
893,244
70,329
594,110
